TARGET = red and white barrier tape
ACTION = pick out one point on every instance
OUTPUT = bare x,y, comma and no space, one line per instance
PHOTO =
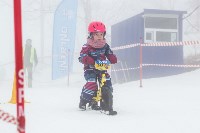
125,69
172,43
126,46
20,122
158,44
7,117
170,65
161,65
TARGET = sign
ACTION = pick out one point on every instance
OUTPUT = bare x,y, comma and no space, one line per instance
64,38
19,66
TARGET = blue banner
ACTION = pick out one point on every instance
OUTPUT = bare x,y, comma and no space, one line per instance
64,38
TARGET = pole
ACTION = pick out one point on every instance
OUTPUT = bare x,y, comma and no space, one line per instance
42,30
19,66
140,62
68,67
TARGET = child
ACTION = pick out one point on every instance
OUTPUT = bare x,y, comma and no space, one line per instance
96,48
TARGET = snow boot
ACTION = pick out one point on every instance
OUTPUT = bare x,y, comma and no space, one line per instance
95,106
106,102
111,112
82,104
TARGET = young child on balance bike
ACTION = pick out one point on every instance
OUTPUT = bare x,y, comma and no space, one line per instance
96,50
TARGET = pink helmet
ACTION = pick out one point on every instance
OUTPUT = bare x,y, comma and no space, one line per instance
96,26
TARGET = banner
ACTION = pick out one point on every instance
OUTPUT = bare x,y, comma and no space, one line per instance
19,76
64,38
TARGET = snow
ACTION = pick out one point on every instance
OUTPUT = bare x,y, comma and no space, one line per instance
163,105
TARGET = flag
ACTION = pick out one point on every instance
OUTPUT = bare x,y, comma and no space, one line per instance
64,38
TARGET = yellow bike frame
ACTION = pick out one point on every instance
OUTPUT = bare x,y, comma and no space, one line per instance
103,80
102,67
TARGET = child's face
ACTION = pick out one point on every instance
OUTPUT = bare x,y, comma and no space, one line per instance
98,36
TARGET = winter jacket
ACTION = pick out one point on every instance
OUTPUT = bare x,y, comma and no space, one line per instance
96,54
30,56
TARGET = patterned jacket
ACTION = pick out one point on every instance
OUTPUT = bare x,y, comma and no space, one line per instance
95,53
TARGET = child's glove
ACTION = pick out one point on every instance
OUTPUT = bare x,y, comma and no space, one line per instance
112,58
88,60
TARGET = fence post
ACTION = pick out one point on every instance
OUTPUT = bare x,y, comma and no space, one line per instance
68,74
140,61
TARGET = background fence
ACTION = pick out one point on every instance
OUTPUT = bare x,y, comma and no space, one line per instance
156,59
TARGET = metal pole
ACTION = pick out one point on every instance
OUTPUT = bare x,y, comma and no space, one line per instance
42,30
68,67
140,62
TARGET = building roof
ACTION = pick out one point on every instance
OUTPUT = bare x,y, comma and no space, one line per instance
157,11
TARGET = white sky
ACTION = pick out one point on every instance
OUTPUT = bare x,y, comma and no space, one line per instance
102,10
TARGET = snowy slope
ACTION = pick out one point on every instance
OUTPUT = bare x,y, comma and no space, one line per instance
162,105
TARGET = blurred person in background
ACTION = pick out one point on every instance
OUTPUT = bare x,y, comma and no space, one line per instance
30,61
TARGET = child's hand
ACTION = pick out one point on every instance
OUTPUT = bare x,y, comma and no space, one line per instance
112,58
88,60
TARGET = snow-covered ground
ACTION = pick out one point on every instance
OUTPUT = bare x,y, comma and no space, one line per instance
163,105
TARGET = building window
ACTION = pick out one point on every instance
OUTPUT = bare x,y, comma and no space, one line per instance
166,36
149,36
161,23
161,28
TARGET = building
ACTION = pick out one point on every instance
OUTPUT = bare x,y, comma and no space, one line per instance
152,25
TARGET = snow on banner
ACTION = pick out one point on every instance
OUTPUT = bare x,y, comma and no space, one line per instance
64,38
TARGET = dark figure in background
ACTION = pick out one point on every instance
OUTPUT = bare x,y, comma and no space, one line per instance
30,60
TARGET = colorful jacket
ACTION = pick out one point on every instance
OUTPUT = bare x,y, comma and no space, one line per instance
95,53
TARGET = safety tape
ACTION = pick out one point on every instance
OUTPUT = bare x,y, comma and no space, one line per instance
126,46
116,70
170,65
7,117
161,65
158,44
172,43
